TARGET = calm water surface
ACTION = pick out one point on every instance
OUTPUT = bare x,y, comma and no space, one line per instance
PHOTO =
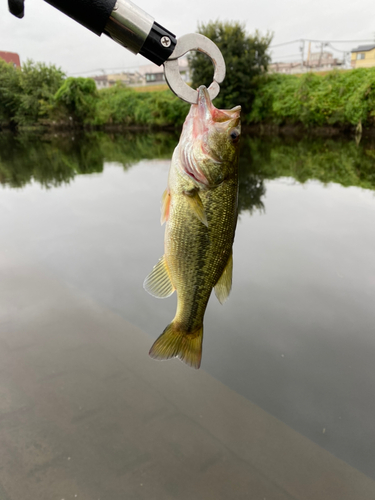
297,336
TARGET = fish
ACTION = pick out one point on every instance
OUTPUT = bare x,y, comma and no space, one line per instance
200,209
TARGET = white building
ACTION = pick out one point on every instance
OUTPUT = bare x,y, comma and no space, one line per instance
153,74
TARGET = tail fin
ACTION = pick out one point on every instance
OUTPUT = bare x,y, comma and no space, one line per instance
175,343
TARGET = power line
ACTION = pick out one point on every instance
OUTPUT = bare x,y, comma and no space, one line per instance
298,55
122,68
134,67
338,50
299,40
285,43
320,41
290,55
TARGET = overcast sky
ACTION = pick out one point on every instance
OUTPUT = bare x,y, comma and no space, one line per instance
47,35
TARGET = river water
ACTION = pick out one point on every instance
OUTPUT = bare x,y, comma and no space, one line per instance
297,335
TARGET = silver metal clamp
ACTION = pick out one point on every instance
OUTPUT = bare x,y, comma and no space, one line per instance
200,43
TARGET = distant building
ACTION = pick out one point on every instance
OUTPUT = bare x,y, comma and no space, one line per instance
322,60
153,74
101,81
155,77
11,57
316,61
363,56
129,79
148,74
285,67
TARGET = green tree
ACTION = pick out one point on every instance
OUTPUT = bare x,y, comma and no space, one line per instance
245,57
78,97
39,83
10,92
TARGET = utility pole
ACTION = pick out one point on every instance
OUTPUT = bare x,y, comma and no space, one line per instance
321,55
322,45
308,56
302,49
344,59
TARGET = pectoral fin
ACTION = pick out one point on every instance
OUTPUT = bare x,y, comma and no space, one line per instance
158,283
224,285
165,203
196,205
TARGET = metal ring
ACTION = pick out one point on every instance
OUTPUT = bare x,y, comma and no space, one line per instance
194,41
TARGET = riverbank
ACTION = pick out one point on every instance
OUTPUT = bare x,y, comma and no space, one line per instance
324,105
336,100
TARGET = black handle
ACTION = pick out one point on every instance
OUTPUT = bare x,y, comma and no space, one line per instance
17,8
153,48
93,14
156,43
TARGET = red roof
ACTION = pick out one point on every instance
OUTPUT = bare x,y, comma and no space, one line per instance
11,57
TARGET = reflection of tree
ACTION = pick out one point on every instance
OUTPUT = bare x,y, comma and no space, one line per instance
251,180
340,161
25,158
52,160
327,160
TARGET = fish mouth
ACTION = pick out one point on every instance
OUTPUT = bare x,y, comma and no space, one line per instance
207,111
204,115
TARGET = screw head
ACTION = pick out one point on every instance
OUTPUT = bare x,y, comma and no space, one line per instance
165,41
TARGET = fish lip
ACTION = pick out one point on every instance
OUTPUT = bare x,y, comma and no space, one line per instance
208,112
204,97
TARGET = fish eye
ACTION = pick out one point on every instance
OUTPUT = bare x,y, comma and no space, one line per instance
234,135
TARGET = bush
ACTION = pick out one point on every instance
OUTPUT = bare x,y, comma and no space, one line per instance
77,97
10,92
26,95
38,84
121,105
338,98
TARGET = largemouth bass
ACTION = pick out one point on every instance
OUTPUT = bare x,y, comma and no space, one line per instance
199,207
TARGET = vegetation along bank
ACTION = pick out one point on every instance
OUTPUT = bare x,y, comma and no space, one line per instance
342,100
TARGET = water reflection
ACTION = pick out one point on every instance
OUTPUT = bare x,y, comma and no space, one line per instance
326,160
54,160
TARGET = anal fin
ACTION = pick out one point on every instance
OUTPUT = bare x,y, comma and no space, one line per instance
224,284
196,205
158,283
